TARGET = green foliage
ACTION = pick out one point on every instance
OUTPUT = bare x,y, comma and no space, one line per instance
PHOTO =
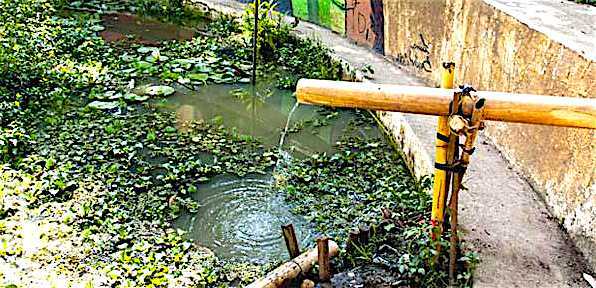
590,2
346,190
33,45
300,58
271,29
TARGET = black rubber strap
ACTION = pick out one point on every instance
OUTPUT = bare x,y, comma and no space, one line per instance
442,166
470,151
299,267
447,167
442,137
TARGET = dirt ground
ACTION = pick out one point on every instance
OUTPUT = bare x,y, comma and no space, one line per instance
519,243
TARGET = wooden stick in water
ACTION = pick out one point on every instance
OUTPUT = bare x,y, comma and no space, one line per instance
291,240
324,265
293,268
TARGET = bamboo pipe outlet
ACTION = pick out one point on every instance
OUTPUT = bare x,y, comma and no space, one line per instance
500,106
293,268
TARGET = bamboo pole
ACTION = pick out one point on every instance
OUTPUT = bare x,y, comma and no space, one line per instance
353,240
291,240
440,181
293,268
500,106
470,129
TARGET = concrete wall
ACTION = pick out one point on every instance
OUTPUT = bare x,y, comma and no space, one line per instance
546,47
495,51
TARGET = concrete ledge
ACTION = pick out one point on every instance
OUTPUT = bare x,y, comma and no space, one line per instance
565,22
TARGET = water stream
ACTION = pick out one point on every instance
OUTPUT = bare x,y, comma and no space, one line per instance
285,131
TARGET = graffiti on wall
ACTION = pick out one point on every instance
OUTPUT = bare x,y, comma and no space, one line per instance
365,23
361,20
327,13
417,55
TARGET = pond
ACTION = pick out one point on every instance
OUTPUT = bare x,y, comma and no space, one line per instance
240,218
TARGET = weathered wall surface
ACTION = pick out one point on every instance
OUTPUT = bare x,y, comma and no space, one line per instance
364,23
494,51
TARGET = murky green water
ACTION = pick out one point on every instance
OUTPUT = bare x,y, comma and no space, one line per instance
240,218
145,30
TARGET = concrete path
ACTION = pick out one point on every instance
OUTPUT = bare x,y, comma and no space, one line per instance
520,244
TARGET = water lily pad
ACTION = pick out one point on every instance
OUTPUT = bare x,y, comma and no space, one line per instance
202,68
142,65
102,105
160,90
147,49
97,28
112,95
198,76
183,81
156,58
135,97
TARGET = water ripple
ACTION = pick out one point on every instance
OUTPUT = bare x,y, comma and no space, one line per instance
241,219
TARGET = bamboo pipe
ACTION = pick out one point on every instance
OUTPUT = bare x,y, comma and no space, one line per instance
293,268
500,106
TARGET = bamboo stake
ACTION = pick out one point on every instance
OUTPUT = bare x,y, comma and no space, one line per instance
324,266
440,178
291,240
353,240
452,150
470,129
507,107
364,235
293,268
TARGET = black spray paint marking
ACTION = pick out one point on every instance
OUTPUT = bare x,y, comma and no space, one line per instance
418,56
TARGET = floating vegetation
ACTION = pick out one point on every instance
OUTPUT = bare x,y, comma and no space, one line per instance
94,171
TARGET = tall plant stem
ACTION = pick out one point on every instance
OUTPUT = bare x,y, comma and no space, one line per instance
254,43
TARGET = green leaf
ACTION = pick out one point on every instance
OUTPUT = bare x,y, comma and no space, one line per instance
198,76
101,105
160,90
134,97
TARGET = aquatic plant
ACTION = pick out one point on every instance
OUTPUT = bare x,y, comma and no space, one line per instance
347,190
